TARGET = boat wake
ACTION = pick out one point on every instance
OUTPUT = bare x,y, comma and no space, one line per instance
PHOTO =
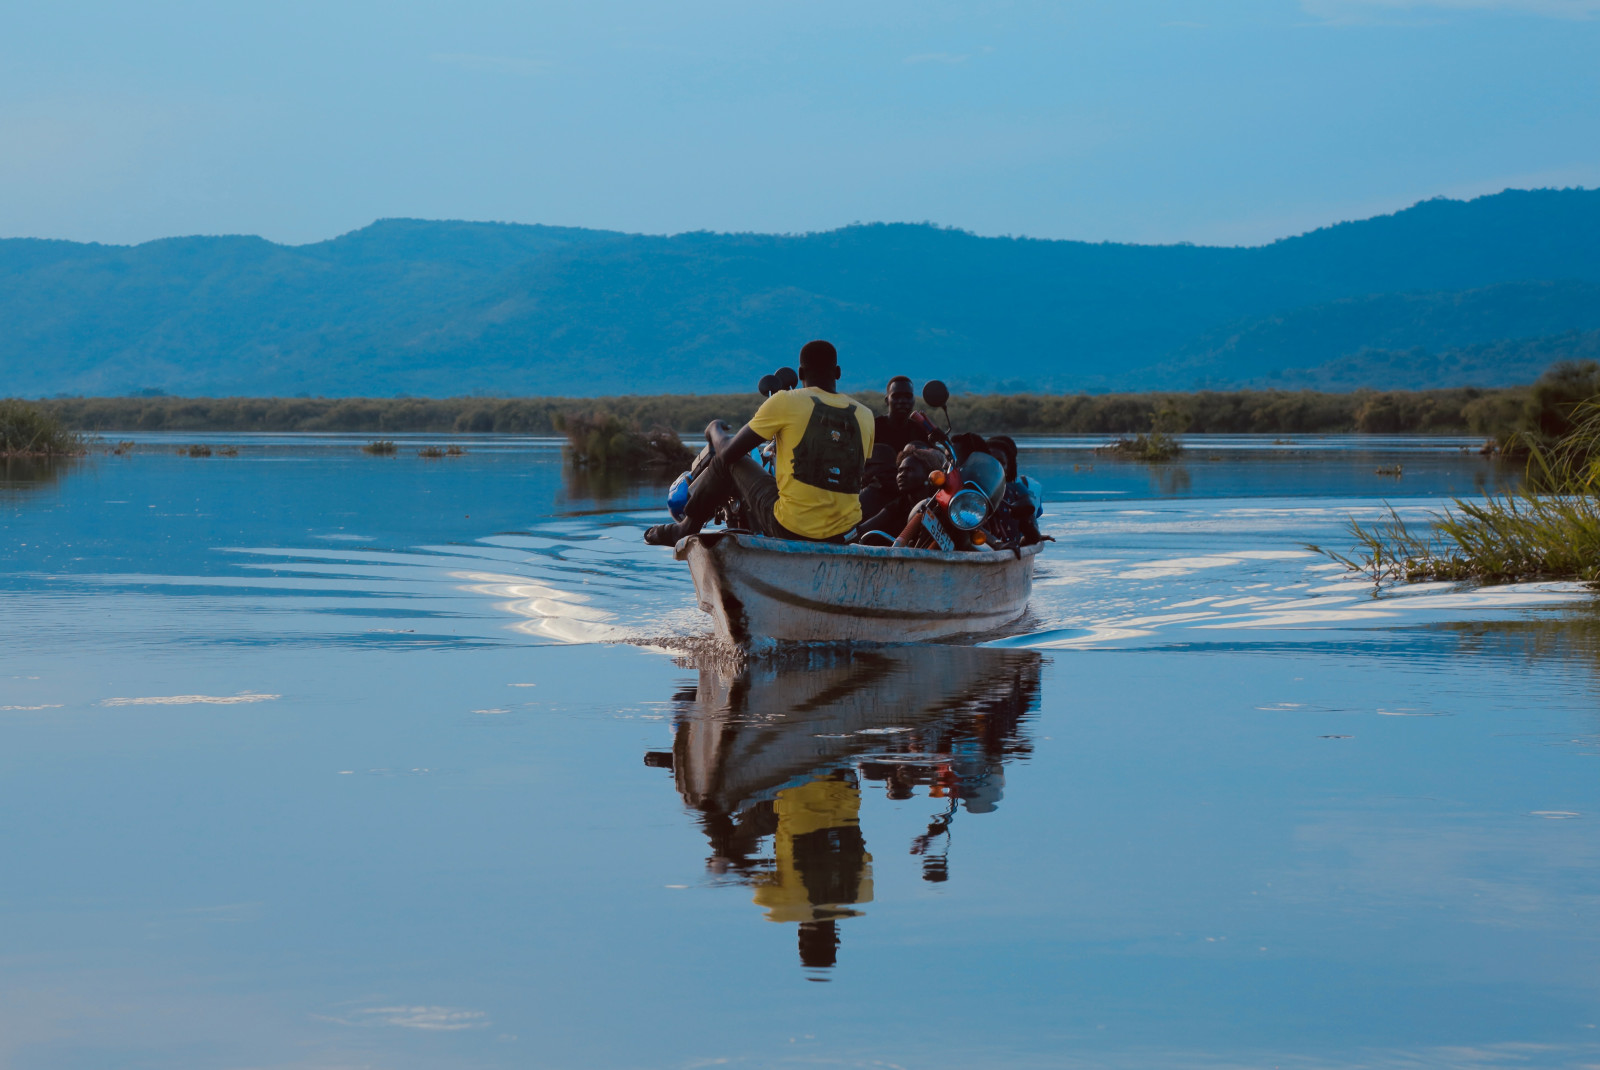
1167,572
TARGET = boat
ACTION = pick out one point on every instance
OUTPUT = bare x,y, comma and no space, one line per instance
758,589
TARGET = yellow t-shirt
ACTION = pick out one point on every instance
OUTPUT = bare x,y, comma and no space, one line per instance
805,506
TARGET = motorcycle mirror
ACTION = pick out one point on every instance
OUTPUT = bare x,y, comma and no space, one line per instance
935,394
768,386
788,378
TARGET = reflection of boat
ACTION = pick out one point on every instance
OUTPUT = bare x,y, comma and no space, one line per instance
782,751
760,588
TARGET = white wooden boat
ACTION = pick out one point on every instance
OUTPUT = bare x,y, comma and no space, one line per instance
756,588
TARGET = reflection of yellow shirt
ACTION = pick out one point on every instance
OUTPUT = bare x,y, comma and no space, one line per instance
804,508
822,804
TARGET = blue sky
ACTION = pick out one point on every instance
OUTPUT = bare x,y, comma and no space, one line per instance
1154,121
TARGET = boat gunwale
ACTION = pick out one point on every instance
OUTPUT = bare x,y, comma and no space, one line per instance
764,544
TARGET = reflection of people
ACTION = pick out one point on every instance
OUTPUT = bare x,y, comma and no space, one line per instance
772,756
822,865
822,439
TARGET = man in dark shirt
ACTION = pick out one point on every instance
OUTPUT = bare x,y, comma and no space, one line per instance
891,434
895,430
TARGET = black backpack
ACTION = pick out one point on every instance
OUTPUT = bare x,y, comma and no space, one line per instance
829,454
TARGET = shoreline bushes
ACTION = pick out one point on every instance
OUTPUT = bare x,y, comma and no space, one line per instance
28,429
604,440
1454,411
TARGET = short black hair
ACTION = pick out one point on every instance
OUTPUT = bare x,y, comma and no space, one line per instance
967,443
906,379
819,356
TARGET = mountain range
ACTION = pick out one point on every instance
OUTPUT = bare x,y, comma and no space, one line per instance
1483,292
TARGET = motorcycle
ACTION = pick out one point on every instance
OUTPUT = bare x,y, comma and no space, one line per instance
965,495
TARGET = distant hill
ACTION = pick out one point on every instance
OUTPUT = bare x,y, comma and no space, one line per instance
1441,293
1511,362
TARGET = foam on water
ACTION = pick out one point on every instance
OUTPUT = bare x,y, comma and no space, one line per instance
1176,571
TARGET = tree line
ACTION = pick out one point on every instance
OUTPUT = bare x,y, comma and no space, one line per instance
1465,410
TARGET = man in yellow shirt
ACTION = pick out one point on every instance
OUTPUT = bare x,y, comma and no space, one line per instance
822,440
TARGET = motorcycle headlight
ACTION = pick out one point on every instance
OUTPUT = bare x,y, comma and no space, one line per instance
968,508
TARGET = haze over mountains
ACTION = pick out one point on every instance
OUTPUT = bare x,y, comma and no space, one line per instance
1444,293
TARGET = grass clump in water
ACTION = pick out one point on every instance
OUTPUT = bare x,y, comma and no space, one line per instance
198,450
605,441
1159,444
1548,529
382,447
1155,446
27,430
430,452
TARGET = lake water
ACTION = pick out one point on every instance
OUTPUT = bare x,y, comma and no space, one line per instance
316,759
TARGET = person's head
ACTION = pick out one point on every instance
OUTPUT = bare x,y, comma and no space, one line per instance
1004,448
967,443
913,467
819,364
899,398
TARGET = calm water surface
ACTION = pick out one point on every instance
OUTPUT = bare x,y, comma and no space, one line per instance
314,759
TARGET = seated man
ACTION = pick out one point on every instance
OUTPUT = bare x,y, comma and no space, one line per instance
1016,522
822,440
891,434
911,486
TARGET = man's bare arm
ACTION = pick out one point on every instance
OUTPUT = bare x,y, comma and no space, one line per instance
739,445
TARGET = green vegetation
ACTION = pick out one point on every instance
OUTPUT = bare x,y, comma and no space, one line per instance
28,429
1161,443
383,447
194,451
604,440
1278,412
1155,447
1549,529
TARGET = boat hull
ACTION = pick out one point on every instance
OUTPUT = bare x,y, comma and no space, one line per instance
757,588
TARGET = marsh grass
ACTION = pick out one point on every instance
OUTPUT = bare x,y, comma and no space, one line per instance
28,430
430,452
1547,529
197,450
382,447
1155,446
604,441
